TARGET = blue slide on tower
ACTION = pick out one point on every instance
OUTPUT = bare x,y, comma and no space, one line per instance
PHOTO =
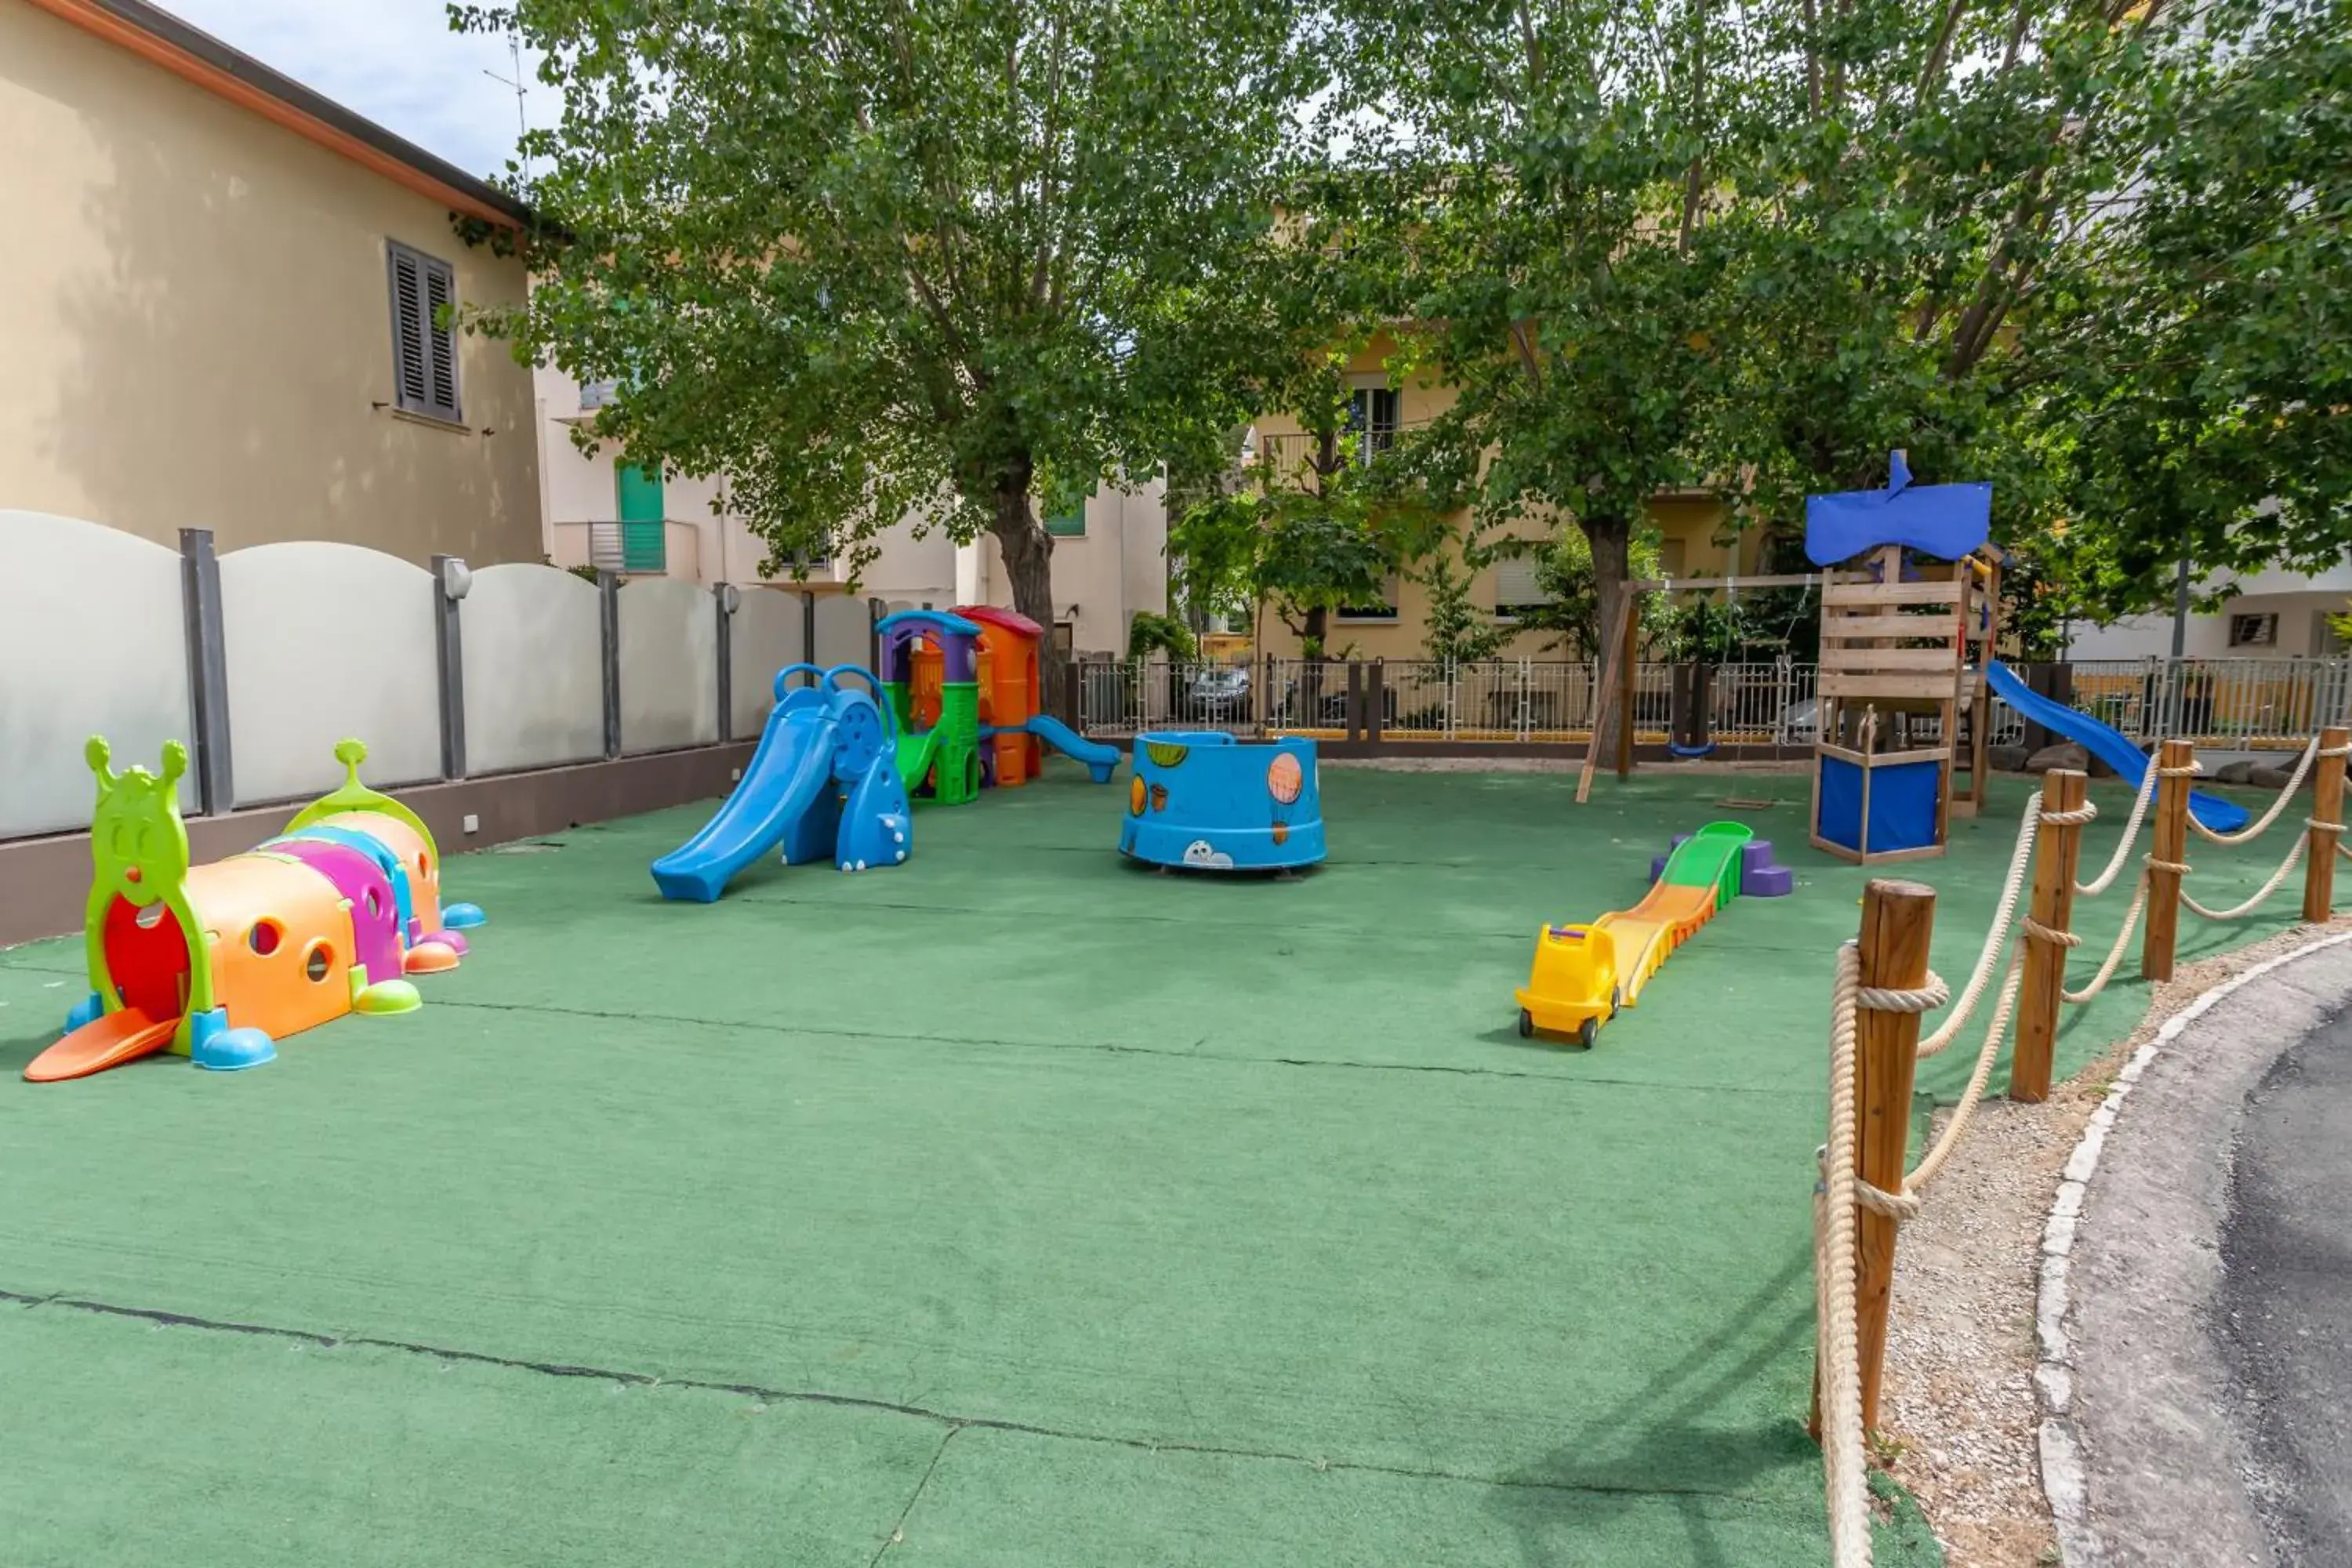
2110,745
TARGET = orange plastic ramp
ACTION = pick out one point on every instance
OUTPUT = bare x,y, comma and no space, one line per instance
120,1036
1650,931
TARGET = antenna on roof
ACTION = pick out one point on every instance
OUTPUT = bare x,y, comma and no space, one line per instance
522,124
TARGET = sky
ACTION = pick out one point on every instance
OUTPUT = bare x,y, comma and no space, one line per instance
395,61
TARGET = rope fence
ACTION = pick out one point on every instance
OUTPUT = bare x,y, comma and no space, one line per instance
1883,990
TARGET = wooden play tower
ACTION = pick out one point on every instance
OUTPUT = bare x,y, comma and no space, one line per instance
1905,644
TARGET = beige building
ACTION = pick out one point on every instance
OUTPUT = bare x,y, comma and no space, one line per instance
217,304
1688,527
1110,557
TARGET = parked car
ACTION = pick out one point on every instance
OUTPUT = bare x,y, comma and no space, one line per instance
1219,694
1799,722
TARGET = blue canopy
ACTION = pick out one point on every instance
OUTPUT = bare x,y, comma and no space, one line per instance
1942,521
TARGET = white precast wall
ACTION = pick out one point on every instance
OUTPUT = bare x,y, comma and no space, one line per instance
534,663
323,641
845,631
768,634
92,643
669,665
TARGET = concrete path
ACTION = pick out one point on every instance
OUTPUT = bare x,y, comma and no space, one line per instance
2211,1280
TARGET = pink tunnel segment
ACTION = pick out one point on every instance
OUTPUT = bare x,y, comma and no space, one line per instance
375,921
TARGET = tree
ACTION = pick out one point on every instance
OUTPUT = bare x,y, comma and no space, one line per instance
1563,185
1571,608
2092,251
1322,524
2202,370
1454,630
871,260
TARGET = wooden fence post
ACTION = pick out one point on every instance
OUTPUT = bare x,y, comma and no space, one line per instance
1898,921
1628,657
2168,841
2039,995
2326,805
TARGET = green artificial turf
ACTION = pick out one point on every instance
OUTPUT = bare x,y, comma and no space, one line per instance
1014,1206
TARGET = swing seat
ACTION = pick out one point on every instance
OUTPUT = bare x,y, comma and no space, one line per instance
1691,751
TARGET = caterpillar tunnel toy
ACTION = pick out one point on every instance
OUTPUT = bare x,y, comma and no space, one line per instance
221,961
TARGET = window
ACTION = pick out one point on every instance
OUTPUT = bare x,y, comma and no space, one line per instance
1384,611
1517,588
1372,415
424,352
1069,524
2253,631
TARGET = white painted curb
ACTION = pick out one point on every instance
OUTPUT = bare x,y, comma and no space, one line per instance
2053,1376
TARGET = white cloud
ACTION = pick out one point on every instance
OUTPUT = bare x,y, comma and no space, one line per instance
395,61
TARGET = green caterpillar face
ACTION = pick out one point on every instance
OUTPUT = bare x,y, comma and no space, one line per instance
138,844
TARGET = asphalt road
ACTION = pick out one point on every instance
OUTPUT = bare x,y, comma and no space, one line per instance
2210,1273
2284,1317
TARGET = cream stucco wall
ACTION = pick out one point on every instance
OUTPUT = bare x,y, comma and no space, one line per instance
198,331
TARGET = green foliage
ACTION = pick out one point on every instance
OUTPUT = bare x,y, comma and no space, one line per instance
870,261
1319,527
1148,634
2095,252
1562,182
1453,628
1571,611
2200,362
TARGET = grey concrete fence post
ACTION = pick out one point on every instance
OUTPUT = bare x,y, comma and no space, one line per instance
208,669
451,579
729,598
608,591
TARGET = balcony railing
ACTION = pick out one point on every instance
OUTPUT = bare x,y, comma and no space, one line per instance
631,549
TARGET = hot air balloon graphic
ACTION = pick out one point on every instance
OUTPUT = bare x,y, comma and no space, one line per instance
1284,780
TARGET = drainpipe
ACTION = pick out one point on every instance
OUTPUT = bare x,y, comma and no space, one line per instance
2181,609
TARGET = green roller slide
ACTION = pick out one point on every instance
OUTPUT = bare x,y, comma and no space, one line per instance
1709,858
916,754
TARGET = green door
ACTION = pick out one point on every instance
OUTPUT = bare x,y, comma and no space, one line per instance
644,545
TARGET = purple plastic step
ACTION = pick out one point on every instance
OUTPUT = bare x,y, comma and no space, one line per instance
1759,877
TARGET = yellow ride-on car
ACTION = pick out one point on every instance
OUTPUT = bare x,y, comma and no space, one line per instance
1573,988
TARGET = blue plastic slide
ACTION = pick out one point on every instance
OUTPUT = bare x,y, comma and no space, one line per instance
2110,745
790,771
1101,761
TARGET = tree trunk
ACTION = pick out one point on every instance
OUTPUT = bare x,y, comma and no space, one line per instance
1612,539
1029,565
